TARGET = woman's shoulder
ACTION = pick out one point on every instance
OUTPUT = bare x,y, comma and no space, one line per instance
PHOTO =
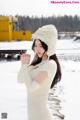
50,64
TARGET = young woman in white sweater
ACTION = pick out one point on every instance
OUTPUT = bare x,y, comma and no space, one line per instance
42,74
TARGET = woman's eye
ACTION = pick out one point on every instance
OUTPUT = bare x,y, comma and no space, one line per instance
40,46
35,46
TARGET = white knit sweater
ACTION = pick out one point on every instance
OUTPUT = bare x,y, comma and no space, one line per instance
38,93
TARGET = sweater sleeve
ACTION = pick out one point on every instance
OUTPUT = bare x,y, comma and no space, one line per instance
21,73
32,83
24,77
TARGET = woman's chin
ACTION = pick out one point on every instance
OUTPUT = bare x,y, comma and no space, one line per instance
39,56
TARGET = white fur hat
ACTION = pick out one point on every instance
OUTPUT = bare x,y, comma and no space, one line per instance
47,34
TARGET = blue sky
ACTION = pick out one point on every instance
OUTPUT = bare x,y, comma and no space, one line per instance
37,8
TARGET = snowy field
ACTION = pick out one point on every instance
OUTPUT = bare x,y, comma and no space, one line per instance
66,97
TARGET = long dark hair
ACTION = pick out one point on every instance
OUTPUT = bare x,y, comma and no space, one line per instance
58,74
37,60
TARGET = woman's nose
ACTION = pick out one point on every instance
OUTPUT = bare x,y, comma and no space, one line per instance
38,49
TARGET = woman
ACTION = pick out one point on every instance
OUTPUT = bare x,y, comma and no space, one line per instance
44,72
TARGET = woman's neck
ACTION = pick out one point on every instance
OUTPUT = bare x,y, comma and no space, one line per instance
45,57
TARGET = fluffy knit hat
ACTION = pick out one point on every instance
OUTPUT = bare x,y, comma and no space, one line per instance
47,34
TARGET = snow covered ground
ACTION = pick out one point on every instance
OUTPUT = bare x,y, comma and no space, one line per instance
13,97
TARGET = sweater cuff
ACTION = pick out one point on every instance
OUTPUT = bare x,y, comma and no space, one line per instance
24,65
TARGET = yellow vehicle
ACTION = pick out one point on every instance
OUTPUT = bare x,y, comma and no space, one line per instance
9,32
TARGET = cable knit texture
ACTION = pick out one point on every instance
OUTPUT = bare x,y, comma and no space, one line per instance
48,34
38,108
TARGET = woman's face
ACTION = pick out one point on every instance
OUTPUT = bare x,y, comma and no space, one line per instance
38,49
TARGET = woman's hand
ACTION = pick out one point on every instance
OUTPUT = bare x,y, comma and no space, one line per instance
25,58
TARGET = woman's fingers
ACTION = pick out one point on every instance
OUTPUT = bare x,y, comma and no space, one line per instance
25,58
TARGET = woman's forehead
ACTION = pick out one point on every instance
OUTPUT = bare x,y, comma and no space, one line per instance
37,41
